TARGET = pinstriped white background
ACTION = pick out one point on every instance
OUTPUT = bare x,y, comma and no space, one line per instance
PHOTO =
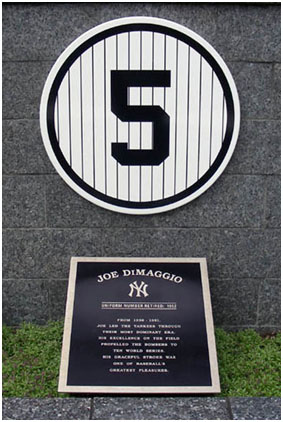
86,127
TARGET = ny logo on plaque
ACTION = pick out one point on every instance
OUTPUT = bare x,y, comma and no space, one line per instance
158,338
139,289
140,115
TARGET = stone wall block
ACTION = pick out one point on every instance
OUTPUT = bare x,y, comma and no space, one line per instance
23,201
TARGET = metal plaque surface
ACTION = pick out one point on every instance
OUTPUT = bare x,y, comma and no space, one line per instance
140,115
139,325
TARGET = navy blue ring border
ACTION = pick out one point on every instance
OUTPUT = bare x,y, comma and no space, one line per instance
129,28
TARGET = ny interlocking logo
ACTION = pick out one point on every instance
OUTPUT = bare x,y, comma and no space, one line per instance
139,289
140,115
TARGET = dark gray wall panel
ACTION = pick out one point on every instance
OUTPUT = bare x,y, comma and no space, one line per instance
239,32
235,224
23,150
23,201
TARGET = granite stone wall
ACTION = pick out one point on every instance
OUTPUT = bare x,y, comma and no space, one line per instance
235,224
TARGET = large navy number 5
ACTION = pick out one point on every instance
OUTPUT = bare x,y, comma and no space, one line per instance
121,80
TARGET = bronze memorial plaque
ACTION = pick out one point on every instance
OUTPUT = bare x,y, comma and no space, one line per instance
139,325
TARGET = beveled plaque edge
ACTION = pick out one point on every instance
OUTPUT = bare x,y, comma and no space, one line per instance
63,373
212,351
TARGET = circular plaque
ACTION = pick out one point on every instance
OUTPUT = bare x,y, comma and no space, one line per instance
140,115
